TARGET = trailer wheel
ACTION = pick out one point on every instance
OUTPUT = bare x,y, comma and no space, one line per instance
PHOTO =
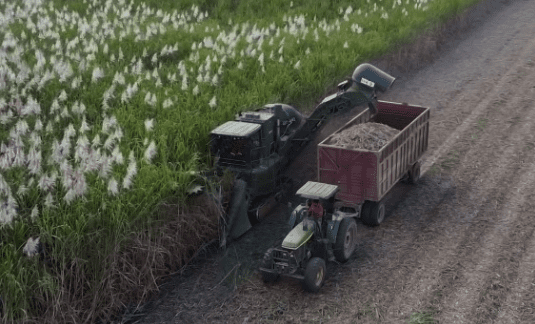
414,174
373,213
346,240
267,263
314,275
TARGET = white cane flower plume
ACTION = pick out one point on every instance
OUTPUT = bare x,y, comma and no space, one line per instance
76,82
31,107
69,196
81,152
84,127
297,65
55,106
346,45
117,155
96,141
108,123
62,96
118,78
106,166
69,131
184,83
35,213
34,160
38,125
31,247
22,190
212,102
49,201
109,142
148,98
64,113
167,103
196,90
113,187
130,172
150,152
97,74
149,123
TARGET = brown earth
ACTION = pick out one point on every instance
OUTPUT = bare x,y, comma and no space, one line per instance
458,247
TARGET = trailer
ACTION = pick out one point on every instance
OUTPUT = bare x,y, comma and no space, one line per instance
366,176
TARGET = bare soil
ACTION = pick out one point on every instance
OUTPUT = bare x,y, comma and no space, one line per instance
457,247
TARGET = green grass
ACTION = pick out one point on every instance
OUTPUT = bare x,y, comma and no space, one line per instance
424,317
81,235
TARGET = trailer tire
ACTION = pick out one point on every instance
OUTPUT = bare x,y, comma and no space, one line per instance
346,240
314,275
373,213
414,173
267,263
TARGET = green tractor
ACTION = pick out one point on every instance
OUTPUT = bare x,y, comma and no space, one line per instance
320,232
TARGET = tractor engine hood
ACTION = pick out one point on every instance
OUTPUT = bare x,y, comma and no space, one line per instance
373,77
298,236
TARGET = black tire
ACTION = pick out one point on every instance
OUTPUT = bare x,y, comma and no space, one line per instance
267,262
314,275
253,211
374,213
414,173
346,240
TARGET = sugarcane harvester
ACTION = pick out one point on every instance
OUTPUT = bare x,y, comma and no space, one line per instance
258,145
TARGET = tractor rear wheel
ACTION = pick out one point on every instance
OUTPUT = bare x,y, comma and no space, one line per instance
373,213
346,240
314,275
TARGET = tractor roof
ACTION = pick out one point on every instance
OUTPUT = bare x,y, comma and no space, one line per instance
234,128
317,190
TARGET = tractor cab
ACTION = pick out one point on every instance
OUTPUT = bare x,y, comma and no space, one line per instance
318,203
318,197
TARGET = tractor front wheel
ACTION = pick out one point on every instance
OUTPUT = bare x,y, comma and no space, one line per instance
314,275
267,263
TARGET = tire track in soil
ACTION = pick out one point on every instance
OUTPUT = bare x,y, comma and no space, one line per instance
505,270
467,241
447,145
521,292
464,297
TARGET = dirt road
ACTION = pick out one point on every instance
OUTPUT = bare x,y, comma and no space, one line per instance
458,247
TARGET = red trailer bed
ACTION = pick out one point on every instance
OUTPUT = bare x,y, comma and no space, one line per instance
365,175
